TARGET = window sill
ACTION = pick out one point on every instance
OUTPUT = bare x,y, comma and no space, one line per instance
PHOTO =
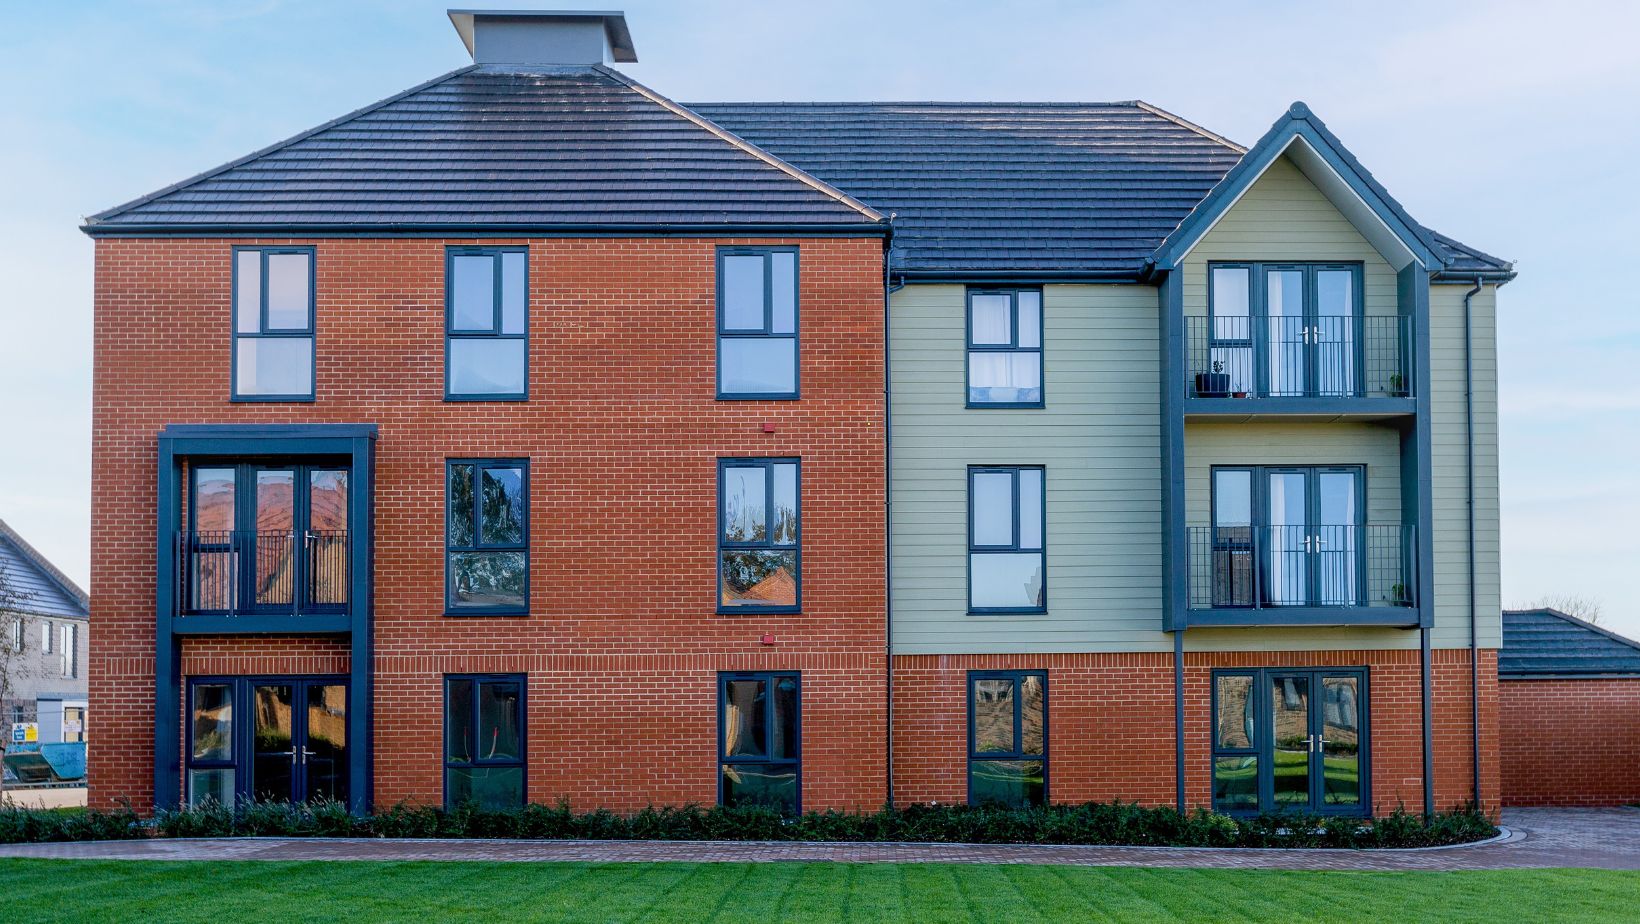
739,397
761,611
995,611
465,613
472,398
272,399
1004,406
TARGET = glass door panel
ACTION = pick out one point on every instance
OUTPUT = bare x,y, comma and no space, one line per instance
275,522
1287,562
1286,325
273,762
212,556
1290,741
323,755
325,538
1233,537
1336,539
1333,333
1340,736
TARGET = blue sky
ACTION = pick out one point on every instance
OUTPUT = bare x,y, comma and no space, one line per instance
1511,126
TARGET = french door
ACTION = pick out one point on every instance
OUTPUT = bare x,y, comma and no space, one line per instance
1313,543
275,739
1312,317
1290,740
267,538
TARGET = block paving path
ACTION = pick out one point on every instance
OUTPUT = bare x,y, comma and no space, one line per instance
1537,837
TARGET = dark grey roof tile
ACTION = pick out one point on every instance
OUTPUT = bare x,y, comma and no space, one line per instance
1547,642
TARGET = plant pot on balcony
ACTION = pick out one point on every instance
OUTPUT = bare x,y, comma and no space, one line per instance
1212,384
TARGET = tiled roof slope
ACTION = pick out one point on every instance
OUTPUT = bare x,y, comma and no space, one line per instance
1547,642
44,589
1004,187
1072,188
488,146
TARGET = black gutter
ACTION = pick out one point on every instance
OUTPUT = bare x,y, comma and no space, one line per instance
1021,277
888,505
484,229
1469,491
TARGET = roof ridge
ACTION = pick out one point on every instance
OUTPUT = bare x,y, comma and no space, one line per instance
45,565
1186,123
742,144
919,102
106,214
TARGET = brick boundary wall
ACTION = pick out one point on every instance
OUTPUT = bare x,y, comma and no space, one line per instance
623,432
1570,742
1110,720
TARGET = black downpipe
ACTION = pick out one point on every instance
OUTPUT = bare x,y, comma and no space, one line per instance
888,509
1178,716
1469,480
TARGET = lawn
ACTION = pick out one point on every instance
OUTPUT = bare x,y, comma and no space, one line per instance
357,892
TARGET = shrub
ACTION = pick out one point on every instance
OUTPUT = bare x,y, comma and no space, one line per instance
1113,823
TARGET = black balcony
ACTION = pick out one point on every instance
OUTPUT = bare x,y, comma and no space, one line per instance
1255,574
241,572
1295,357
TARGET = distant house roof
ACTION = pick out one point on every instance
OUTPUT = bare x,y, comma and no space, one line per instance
1031,189
45,590
500,147
1549,643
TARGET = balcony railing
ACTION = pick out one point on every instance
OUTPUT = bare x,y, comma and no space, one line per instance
1248,567
237,572
1295,357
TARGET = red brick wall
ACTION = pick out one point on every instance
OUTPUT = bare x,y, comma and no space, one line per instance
623,433
1570,742
1110,720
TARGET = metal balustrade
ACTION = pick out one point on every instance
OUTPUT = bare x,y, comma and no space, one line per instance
1314,566
1293,357
244,571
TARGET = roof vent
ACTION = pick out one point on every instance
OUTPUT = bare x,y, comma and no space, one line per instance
545,37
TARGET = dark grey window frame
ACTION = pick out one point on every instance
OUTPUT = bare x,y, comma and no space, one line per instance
1011,347
1258,313
768,678
451,332
1014,546
1259,510
767,463
521,763
311,332
1263,736
1017,754
767,331
478,544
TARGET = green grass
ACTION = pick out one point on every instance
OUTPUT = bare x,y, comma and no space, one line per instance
356,892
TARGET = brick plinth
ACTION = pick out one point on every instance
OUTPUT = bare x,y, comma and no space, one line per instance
1111,724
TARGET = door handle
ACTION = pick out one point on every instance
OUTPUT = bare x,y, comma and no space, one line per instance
307,753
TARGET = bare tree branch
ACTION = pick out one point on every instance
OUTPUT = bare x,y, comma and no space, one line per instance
1583,607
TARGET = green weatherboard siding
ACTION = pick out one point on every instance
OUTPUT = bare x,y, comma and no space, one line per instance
208,893
1098,439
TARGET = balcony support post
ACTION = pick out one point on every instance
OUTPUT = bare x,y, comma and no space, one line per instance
167,781
1175,543
1417,464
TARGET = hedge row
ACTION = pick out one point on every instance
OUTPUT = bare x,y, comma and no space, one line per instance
1109,823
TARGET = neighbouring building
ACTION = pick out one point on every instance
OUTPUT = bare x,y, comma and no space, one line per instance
1568,711
928,452
43,664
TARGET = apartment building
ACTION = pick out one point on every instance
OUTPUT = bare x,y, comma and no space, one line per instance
528,435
